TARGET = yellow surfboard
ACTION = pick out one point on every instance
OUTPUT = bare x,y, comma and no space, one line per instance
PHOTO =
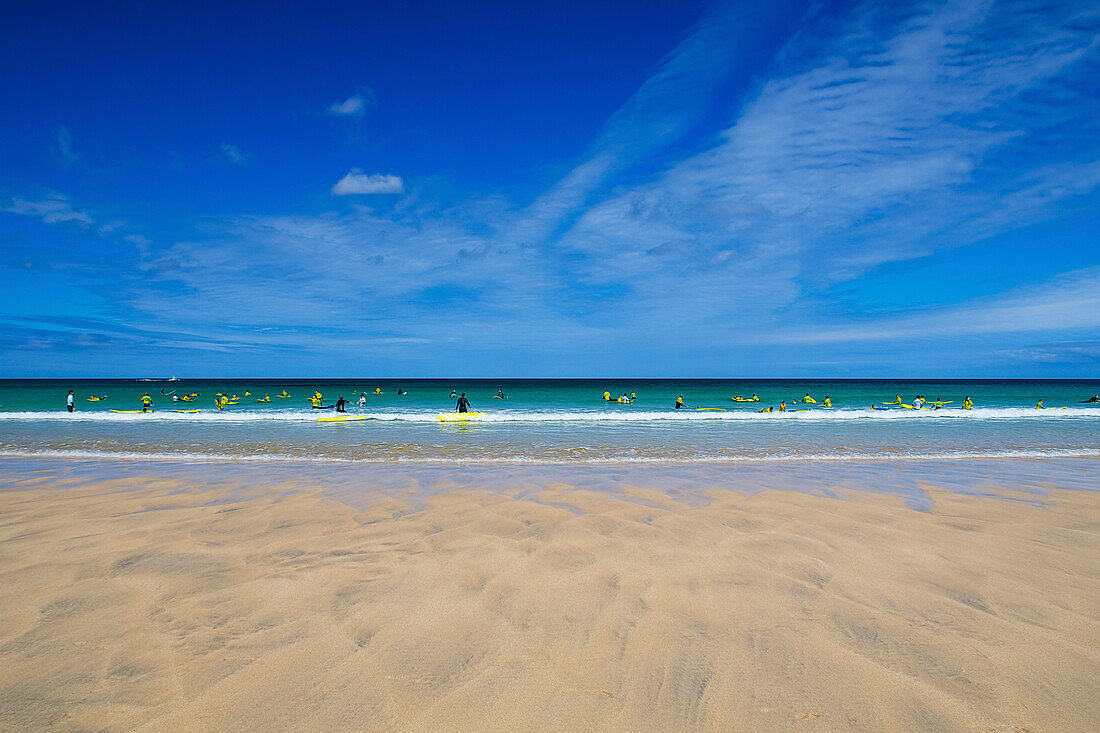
459,416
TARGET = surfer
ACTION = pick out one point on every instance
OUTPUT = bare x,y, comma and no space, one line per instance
607,395
680,403
362,400
809,400
340,404
968,404
69,402
1091,400
463,404
783,406
917,402
454,393
827,402
766,409
1039,406
146,402
500,394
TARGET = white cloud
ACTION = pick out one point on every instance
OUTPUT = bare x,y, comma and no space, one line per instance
354,106
54,210
357,182
862,130
234,154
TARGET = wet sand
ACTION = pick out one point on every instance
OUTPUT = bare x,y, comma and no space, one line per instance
159,599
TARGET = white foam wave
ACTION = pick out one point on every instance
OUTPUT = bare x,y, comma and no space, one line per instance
191,457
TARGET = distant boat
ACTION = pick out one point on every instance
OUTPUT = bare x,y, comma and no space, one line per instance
173,378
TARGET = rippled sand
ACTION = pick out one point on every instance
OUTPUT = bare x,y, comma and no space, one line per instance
133,604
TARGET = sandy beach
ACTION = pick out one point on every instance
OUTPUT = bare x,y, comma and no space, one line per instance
153,600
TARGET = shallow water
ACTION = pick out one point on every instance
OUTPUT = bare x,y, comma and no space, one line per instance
555,421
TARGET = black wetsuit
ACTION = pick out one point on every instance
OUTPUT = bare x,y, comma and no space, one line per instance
340,405
463,405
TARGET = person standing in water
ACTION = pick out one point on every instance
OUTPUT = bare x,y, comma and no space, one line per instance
968,404
146,402
340,404
454,393
463,404
680,403
69,402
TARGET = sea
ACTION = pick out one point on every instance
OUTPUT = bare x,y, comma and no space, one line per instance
551,421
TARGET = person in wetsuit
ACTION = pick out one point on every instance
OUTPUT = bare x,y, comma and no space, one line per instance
463,404
146,403
340,404
680,403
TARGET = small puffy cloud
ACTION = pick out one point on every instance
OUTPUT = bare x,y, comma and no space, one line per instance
354,106
55,210
234,154
357,182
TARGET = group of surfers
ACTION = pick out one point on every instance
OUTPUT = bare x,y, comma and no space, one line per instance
920,402
807,400
222,401
317,401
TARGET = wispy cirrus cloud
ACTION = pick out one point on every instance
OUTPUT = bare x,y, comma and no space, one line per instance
52,210
63,149
866,125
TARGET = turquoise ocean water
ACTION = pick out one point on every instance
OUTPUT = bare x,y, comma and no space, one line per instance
552,421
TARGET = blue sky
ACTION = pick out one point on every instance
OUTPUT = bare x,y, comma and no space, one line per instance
419,189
